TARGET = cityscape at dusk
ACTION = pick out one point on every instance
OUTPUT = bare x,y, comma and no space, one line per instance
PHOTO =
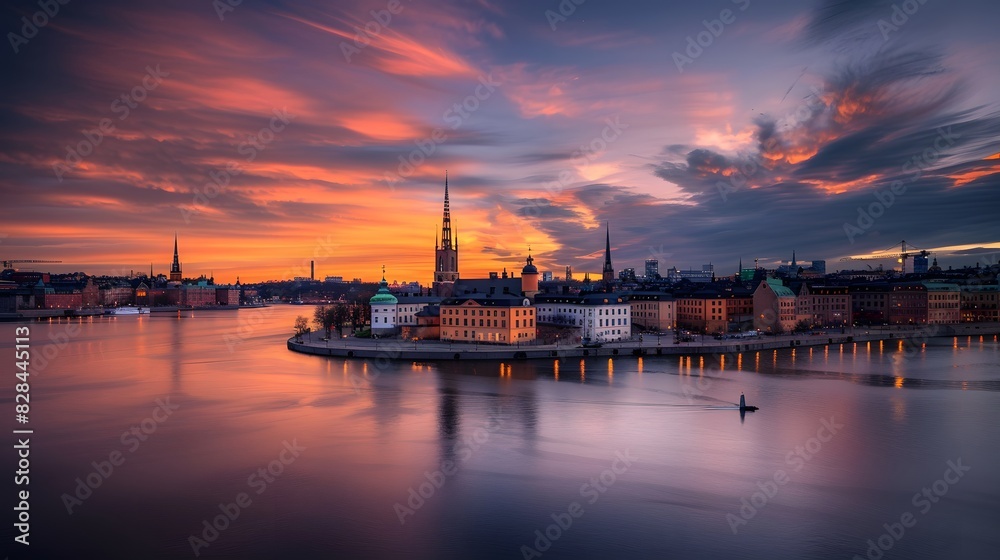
256,130
473,279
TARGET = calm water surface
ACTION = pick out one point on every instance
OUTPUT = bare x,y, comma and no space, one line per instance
872,425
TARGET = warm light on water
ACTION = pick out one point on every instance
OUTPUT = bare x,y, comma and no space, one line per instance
523,443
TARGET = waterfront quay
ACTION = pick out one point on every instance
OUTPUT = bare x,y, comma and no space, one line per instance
649,345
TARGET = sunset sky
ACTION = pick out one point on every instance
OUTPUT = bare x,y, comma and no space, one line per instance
808,111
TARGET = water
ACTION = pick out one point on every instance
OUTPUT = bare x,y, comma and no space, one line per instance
515,444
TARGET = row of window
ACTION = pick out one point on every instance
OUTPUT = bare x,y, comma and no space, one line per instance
583,310
490,337
501,323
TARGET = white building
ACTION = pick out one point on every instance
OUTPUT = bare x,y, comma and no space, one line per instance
383,310
600,317
407,308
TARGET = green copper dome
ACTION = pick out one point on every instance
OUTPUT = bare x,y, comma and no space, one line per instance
383,296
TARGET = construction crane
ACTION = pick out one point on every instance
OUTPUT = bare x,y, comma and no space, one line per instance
900,256
10,262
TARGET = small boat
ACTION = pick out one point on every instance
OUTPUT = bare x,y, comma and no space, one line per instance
743,405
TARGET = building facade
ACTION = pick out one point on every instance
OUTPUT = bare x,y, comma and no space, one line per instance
979,303
652,311
774,307
830,306
490,319
598,317
944,303
409,307
704,311
908,303
870,303
652,270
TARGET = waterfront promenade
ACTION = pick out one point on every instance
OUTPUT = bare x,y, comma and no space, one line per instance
426,350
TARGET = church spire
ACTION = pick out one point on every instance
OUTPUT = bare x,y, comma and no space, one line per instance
609,271
607,244
175,266
446,252
446,219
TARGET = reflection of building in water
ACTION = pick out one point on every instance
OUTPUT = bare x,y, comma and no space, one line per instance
448,415
471,415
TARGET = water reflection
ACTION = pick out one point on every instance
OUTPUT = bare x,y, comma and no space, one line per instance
372,431
448,415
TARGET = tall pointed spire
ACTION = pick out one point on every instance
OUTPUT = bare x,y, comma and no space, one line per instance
607,244
446,220
609,272
175,266
446,252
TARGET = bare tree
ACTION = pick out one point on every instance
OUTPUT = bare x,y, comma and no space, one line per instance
325,317
301,327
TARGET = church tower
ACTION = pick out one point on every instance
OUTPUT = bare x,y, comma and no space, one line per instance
445,253
175,267
609,272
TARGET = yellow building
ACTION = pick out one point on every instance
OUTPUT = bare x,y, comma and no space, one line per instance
496,319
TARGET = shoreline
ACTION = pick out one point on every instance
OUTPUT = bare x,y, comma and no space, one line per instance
430,350
39,314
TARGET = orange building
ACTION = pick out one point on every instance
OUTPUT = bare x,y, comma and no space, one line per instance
652,310
497,319
703,311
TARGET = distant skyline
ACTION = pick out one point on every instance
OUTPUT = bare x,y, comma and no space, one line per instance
703,133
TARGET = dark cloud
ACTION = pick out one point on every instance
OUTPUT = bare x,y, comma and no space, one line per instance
835,19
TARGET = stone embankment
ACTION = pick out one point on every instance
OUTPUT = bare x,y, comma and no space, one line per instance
429,350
